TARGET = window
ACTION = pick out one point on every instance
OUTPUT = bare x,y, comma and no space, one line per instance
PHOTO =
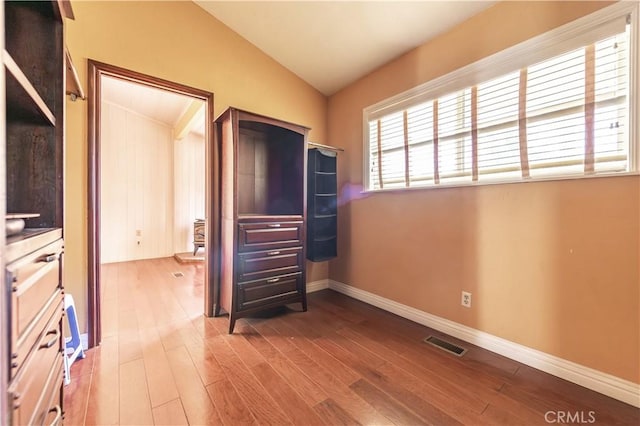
553,107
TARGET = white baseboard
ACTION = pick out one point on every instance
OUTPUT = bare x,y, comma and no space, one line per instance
615,387
317,285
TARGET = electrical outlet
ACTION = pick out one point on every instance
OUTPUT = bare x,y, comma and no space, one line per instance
138,233
466,299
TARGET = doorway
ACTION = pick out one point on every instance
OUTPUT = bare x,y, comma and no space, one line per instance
102,77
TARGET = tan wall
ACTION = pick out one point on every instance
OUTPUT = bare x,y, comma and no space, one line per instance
176,41
551,265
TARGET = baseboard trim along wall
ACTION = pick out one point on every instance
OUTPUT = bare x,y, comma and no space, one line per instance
317,285
617,388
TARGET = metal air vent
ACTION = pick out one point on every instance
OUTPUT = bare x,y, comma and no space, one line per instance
445,346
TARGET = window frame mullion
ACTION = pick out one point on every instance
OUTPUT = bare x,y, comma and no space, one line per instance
436,142
522,124
589,107
379,130
405,124
474,133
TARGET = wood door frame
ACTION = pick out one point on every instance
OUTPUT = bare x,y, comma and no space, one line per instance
212,188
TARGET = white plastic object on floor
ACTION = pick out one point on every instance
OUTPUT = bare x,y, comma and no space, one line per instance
73,345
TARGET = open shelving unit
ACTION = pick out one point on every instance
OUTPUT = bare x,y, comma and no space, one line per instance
322,205
34,61
33,56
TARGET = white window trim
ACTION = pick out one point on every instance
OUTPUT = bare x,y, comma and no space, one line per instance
543,46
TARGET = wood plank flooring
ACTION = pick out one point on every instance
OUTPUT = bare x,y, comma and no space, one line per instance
341,363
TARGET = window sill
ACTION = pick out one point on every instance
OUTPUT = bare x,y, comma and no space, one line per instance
502,182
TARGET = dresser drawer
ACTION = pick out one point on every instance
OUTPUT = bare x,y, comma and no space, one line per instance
45,322
269,235
34,279
263,264
42,406
268,291
27,390
49,410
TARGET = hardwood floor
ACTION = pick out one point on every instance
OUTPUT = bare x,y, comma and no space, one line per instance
342,362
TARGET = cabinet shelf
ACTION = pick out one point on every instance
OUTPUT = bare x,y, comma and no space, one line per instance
23,100
322,203
323,239
323,249
323,183
253,217
324,216
323,258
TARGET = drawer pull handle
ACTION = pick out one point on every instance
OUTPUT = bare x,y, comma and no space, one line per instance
53,340
273,253
273,280
16,399
274,225
58,410
47,258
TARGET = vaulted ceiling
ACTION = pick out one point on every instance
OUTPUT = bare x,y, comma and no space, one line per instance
330,44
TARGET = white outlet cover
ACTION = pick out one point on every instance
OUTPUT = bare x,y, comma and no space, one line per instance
466,299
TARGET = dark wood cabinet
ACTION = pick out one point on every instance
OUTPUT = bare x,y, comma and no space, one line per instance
263,203
322,226
32,180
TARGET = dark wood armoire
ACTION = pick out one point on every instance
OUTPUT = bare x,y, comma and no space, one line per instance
263,213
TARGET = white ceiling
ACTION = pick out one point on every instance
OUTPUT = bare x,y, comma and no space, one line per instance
157,104
161,105
330,44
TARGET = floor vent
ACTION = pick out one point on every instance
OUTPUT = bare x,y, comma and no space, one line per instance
445,346
177,274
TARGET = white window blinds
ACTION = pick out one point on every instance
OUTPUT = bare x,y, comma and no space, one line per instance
563,116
